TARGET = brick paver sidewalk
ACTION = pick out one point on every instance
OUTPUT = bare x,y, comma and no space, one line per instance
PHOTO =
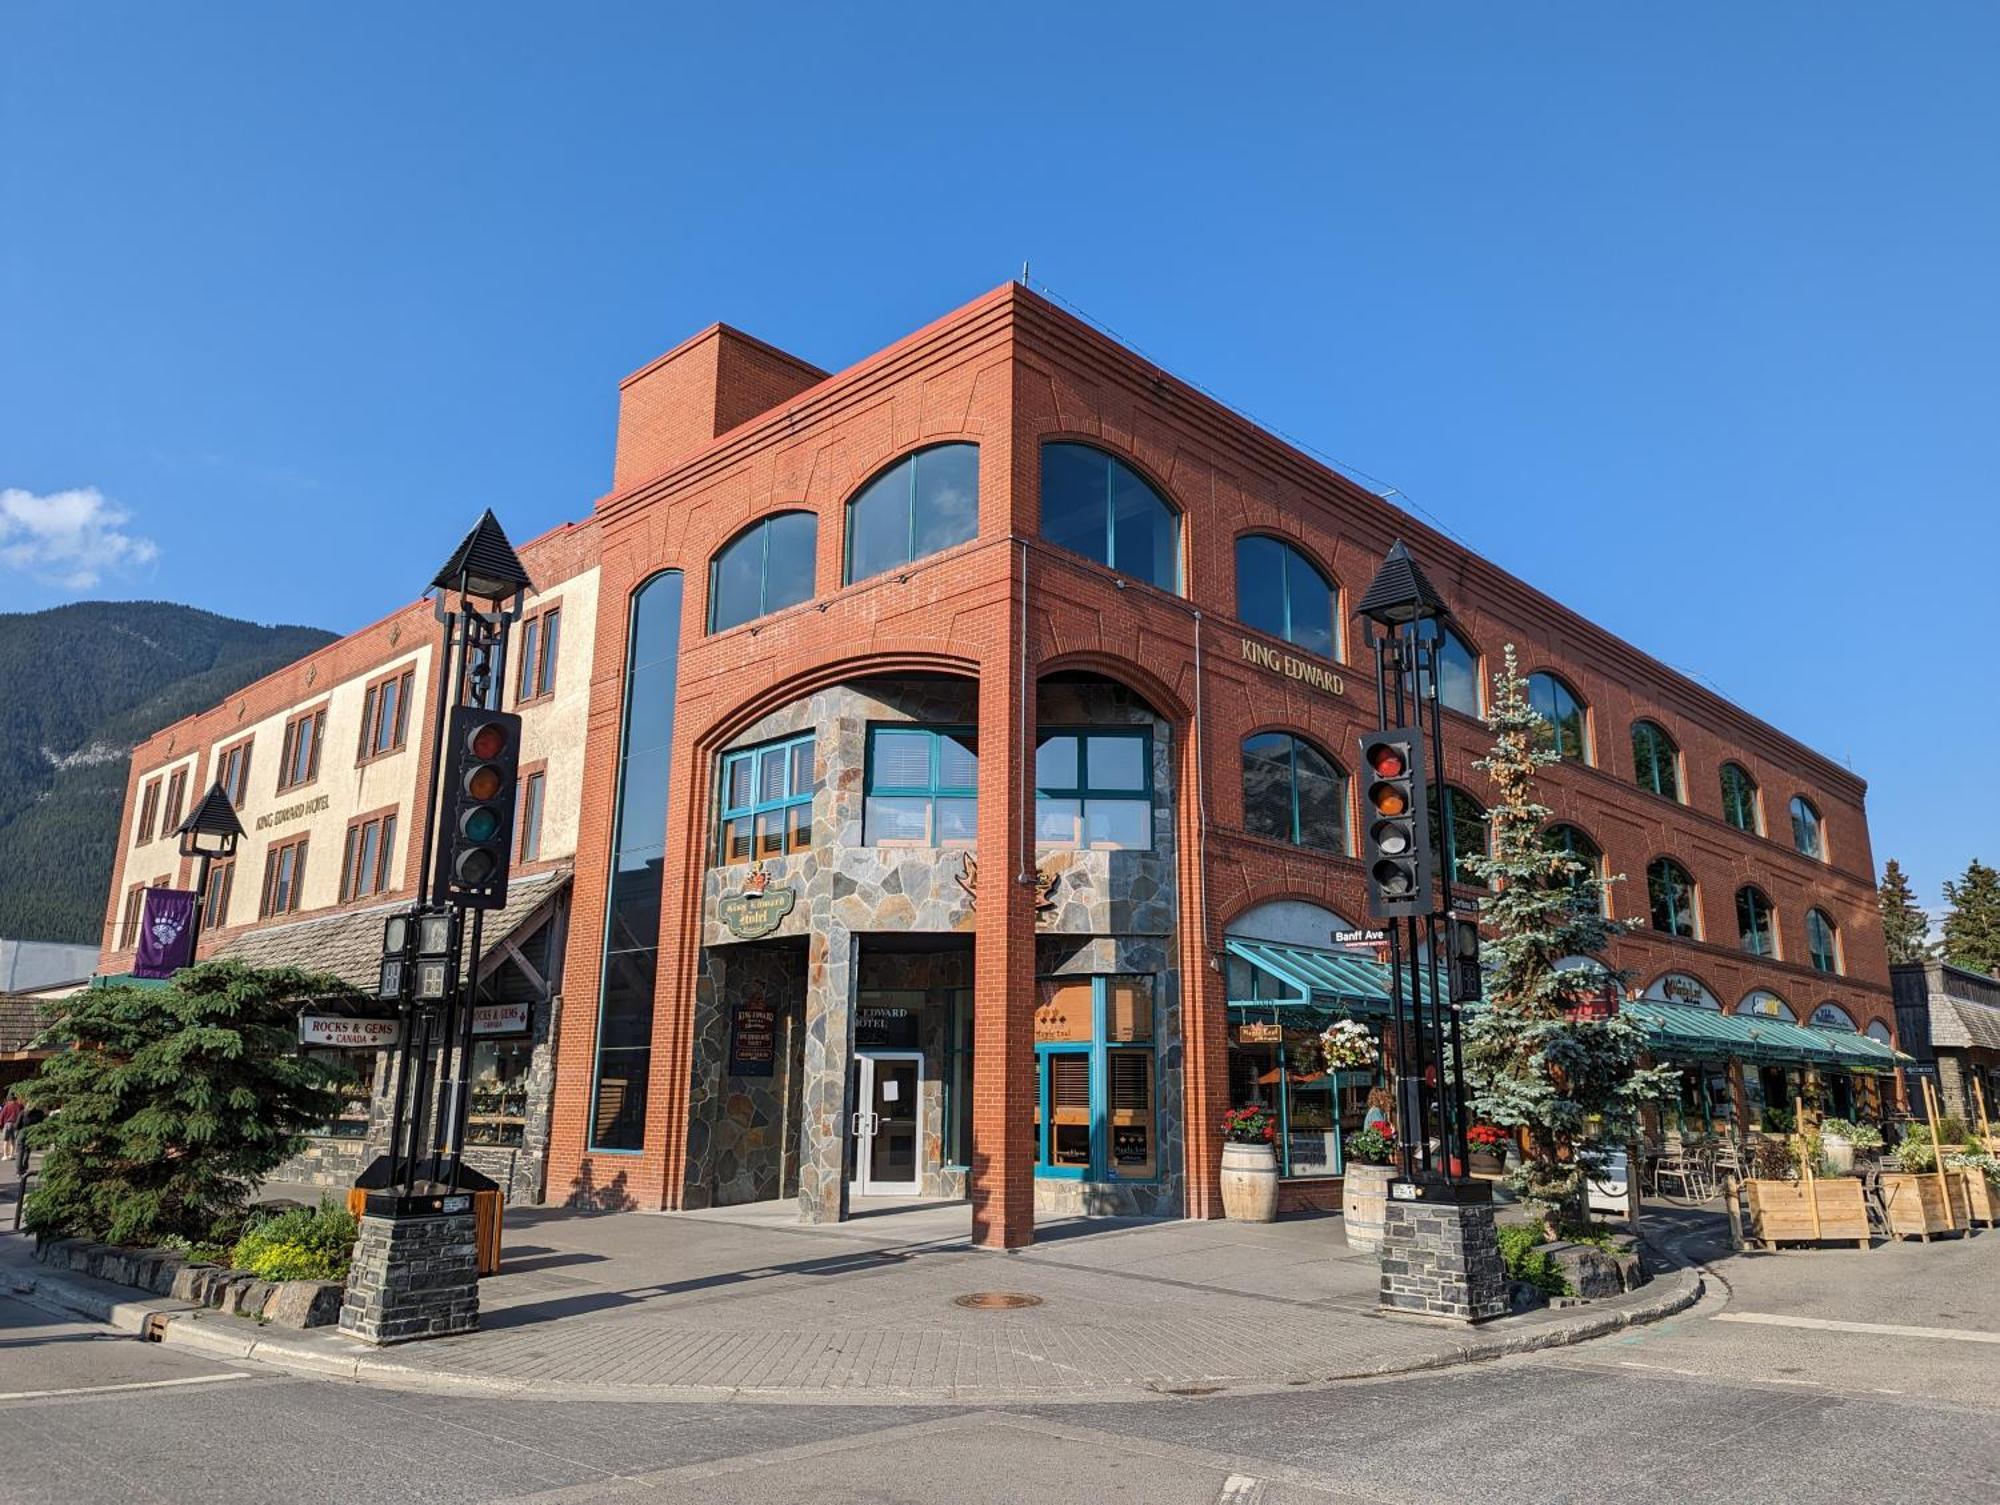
748,1302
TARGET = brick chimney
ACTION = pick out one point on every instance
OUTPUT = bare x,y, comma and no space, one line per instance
699,390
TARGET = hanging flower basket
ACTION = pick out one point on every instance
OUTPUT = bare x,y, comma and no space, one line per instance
1349,1045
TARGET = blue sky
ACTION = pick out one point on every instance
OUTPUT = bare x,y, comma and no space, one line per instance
1687,315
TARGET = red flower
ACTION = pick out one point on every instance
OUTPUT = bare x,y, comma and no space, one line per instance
1269,1132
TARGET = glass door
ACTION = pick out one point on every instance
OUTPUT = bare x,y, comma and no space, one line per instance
886,1126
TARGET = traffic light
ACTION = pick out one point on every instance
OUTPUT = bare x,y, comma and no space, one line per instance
1396,842
483,751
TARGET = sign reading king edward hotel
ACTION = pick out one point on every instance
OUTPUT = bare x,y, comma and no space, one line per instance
1264,656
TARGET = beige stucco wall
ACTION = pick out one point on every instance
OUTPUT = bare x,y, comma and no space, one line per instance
159,857
555,729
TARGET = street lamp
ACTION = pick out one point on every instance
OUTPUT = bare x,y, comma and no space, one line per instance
211,830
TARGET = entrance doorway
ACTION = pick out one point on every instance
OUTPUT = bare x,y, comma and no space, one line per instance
886,1126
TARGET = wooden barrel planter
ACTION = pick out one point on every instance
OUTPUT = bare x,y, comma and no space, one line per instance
1363,1201
1250,1183
1805,1212
1923,1204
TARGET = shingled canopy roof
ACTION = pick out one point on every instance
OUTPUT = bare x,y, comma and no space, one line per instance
350,945
20,1021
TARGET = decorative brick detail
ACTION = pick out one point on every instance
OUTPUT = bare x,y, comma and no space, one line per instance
412,1278
1442,1261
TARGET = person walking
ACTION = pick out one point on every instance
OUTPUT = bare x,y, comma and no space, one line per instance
10,1124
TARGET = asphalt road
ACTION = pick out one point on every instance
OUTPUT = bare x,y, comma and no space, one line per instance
1706,1407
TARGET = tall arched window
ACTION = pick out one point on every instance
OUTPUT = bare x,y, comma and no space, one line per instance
1096,505
1656,761
1671,893
1756,928
1568,734
1280,591
1822,941
923,503
1805,827
1739,800
1294,792
1765,1004
638,859
1461,838
766,567
1458,670
1576,844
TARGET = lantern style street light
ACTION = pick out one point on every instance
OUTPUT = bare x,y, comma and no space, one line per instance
210,831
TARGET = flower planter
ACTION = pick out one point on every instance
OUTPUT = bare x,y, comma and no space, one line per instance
1488,1165
1364,1197
1838,1154
1780,1211
1919,1207
1250,1182
1982,1197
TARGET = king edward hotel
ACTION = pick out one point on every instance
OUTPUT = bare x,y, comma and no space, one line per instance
938,783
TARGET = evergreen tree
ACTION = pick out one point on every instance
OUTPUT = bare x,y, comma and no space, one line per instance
169,1105
1905,926
1573,1084
1972,923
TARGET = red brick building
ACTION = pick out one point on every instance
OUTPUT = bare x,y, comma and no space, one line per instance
963,769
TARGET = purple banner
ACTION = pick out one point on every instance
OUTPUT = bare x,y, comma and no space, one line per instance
166,932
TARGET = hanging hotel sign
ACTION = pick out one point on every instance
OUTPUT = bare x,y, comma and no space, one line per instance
1291,666
758,910
348,1034
753,1037
500,1019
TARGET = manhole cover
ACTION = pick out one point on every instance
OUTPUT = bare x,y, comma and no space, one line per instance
988,1301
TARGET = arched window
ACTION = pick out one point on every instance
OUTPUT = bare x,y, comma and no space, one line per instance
1822,941
923,503
1806,828
1831,1015
638,861
1671,893
1765,1004
1556,703
766,567
1458,670
1465,836
1739,800
1280,591
1294,792
1879,1032
1096,505
1756,928
1575,843
1656,761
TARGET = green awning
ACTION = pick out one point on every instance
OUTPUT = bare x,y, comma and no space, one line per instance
1325,978
1677,1029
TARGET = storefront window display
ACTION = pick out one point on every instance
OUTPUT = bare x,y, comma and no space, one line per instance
1096,1080
499,1106
1276,1060
357,1069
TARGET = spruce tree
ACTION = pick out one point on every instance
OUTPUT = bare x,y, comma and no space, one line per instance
1972,923
1905,926
169,1105
1573,1084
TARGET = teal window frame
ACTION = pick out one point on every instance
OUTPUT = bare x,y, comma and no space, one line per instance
1444,832
1547,694
1109,558
910,555
1099,1050
761,531
1296,837
1336,1082
758,806
1084,792
1451,643
1291,554
954,1148
1658,763
1756,929
1740,805
1822,942
1668,866
1577,842
1808,828
932,789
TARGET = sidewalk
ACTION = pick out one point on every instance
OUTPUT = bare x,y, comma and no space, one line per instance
746,1302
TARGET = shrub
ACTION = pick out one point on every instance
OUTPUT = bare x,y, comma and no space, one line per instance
1861,1136
1771,1160
1916,1155
1527,1262
298,1245
1951,1129
1778,1121
1977,1161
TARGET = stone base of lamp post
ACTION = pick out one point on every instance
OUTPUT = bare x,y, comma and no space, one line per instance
415,1274
1440,1259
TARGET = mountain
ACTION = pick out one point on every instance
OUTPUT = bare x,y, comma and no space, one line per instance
80,687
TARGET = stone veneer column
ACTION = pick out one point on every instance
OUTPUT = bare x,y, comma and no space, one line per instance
412,1277
1441,1259
829,1057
